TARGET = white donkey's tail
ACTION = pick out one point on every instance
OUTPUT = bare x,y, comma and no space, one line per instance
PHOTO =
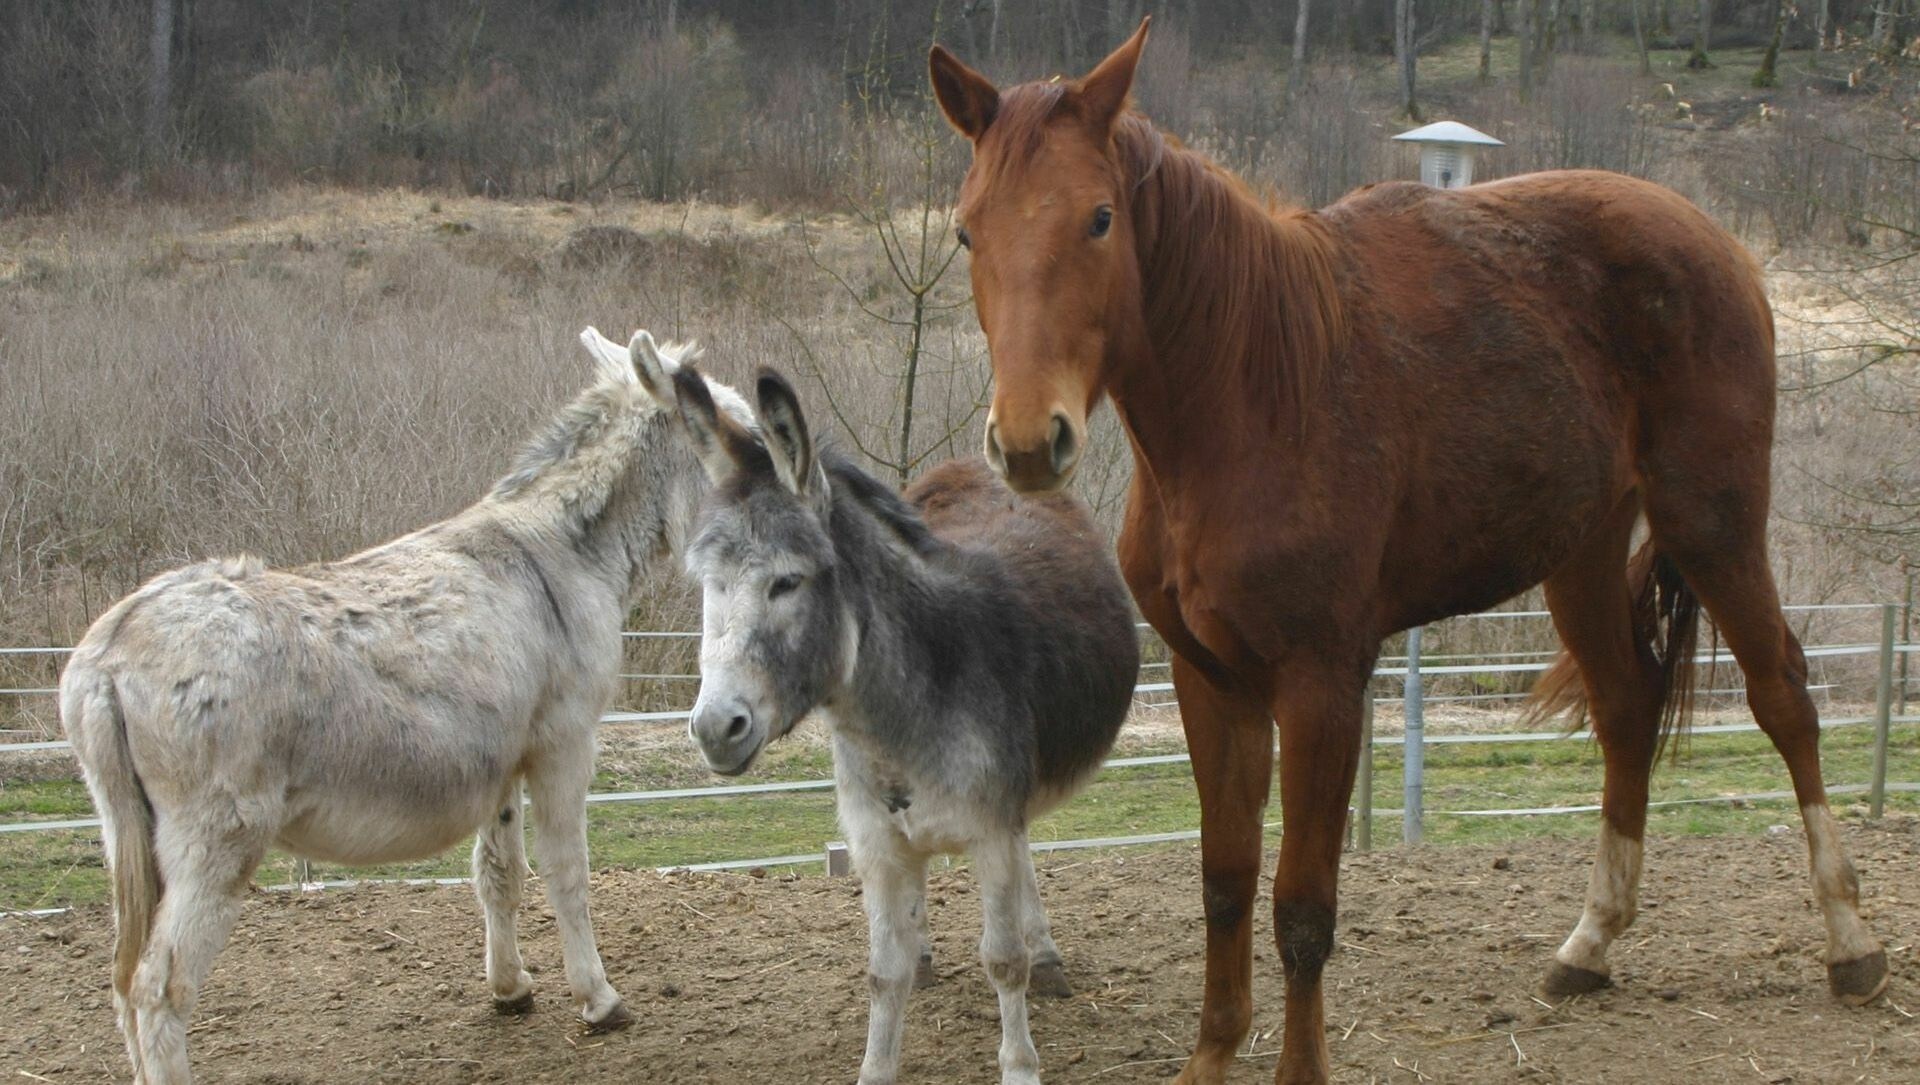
90,710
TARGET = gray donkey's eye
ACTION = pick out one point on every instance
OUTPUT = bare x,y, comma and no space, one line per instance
782,585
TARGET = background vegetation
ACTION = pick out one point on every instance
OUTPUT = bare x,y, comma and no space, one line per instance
294,276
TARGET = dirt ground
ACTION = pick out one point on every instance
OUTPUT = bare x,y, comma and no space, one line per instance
743,978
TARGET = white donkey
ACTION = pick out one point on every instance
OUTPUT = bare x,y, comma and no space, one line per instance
381,708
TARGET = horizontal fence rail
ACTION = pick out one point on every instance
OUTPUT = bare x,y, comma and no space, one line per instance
1407,669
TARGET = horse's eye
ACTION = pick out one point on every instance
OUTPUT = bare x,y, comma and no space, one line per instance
782,585
966,239
1102,221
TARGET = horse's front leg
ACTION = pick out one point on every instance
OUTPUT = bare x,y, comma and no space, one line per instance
558,783
1317,706
499,879
893,879
1005,870
1230,737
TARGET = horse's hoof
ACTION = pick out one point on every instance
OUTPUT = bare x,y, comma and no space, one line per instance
614,1020
1566,980
1859,981
923,974
1049,980
514,1007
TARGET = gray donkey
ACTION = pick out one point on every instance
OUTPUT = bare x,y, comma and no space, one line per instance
973,653
382,707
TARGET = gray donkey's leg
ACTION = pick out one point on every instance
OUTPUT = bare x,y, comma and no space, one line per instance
558,784
892,879
499,879
1005,870
1048,976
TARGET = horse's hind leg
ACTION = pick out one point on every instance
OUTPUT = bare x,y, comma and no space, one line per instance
558,784
499,879
1007,896
205,874
1731,577
1592,604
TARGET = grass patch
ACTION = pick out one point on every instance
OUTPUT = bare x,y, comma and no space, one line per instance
50,869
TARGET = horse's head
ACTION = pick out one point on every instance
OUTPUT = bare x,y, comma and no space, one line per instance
774,639
1046,211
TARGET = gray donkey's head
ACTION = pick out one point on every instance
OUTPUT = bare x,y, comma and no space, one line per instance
778,637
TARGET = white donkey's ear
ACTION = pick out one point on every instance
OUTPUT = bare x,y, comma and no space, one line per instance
610,359
719,442
788,440
656,363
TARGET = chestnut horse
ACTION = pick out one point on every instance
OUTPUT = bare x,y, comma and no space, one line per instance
1411,404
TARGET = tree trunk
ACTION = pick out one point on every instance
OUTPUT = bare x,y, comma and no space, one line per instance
1500,26
1640,38
1766,75
1702,30
1549,38
1529,15
1297,71
159,79
1663,24
1882,24
1822,19
1403,41
1588,15
1487,8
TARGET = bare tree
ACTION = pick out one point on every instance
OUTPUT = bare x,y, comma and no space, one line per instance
1297,71
1702,30
159,78
1640,38
1403,46
1487,9
1589,16
1766,75
1529,14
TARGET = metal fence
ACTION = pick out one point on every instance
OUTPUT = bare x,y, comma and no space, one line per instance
1409,671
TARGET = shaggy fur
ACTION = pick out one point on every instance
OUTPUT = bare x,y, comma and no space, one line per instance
379,708
973,653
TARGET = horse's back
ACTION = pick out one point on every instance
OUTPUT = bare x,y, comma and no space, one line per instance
1083,653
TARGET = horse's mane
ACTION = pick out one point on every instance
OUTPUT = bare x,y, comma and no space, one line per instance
1239,289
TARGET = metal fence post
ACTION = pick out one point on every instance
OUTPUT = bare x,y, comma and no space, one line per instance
839,860
1906,640
1882,713
1415,762
1366,771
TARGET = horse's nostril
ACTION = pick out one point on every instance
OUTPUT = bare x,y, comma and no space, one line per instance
996,457
1065,447
736,727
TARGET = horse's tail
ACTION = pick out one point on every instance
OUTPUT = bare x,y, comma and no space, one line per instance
91,711
1666,617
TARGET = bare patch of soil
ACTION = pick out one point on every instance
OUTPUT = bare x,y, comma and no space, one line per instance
739,978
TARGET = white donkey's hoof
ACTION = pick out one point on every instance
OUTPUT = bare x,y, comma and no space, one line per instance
615,1019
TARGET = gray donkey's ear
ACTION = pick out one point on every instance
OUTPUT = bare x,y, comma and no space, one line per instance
719,442
788,441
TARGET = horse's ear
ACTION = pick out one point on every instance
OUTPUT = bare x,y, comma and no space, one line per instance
718,441
610,359
785,427
967,98
1103,93
654,368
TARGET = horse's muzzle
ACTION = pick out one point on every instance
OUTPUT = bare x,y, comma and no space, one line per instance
1038,468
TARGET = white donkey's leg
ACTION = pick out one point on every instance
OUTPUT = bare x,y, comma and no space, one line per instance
893,878
205,874
499,879
1005,869
558,784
